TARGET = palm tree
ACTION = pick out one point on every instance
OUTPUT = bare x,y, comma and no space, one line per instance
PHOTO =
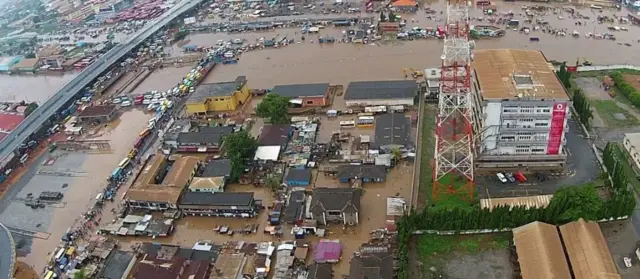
396,154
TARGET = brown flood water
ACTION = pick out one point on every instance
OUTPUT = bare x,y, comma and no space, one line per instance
84,189
31,88
304,63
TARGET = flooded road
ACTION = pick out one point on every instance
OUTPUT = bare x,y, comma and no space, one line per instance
340,63
91,172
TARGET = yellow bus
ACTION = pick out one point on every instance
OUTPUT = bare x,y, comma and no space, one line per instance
365,121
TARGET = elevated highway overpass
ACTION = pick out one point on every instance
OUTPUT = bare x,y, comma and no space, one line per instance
34,121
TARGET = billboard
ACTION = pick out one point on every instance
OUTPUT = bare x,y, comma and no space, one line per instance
557,128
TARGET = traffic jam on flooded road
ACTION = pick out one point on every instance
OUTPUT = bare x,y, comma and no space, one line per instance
283,140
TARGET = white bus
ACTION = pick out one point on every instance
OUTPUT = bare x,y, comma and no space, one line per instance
347,124
365,121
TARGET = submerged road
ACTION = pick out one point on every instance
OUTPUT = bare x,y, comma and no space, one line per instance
34,121
7,253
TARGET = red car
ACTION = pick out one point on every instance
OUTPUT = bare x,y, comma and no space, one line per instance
520,177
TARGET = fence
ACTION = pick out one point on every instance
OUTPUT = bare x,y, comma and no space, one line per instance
486,231
606,68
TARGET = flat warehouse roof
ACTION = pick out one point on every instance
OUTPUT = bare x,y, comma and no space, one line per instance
385,89
301,90
392,129
218,199
516,74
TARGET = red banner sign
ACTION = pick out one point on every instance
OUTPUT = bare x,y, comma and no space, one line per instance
557,128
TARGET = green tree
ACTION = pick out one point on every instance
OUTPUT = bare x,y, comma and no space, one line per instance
575,202
564,76
31,107
273,181
240,148
583,107
79,275
275,108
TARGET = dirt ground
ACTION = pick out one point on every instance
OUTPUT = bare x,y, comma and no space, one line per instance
484,256
592,87
24,271
633,80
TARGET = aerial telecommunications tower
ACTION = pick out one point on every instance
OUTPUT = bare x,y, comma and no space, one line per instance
453,167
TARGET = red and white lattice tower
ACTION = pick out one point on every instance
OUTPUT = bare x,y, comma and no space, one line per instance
453,167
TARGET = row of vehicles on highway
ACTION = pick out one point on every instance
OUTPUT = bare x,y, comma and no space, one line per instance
509,177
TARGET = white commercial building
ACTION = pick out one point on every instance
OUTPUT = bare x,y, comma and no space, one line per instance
631,144
519,110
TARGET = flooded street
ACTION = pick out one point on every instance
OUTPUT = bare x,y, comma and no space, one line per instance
31,88
305,62
89,174
340,63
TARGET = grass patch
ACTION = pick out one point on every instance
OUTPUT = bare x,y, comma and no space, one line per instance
629,170
427,149
435,246
426,154
608,109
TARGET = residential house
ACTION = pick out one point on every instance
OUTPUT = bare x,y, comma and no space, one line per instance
161,261
378,265
304,95
208,139
219,96
335,205
213,178
298,177
366,173
294,212
275,135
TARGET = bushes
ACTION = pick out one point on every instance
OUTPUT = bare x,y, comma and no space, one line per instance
626,89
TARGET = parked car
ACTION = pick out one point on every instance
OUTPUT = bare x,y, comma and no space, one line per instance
126,103
501,177
116,101
520,177
510,177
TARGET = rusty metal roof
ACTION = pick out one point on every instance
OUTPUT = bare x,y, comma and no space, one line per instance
516,74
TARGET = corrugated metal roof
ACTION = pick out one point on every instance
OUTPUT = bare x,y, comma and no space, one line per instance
540,252
529,202
588,251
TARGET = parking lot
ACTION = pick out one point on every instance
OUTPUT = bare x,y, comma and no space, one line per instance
582,167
